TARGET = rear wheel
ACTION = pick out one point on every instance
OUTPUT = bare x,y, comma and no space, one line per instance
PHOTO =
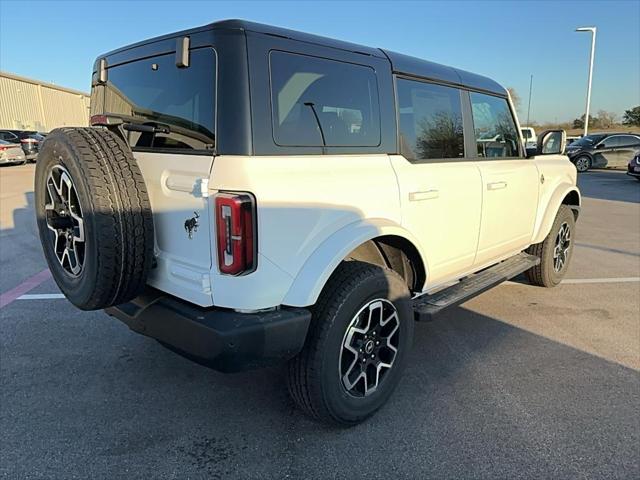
357,345
583,163
554,252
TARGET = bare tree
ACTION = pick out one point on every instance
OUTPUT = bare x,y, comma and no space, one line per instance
606,119
515,98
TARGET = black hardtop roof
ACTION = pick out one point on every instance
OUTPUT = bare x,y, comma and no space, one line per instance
402,64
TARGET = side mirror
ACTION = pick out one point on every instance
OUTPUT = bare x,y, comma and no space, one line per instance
550,142
599,146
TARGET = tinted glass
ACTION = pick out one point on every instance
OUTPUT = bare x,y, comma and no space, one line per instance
588,141
312,97
430,121
612,142
154,91
629,140
496,134
526,134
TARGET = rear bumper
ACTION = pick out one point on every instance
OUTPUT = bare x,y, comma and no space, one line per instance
221,339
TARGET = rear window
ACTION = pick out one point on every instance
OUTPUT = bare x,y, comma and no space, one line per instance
155,91
318,102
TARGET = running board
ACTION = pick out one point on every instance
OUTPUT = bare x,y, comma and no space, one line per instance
426,306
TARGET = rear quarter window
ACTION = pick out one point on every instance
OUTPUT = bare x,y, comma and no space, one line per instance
319,102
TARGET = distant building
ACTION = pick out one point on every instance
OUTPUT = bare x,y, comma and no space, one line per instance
27,104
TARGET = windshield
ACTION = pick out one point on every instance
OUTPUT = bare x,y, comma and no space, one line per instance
588,141
155,91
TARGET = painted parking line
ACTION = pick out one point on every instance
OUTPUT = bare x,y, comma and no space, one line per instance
58,296
40,296
29,284
602,280
577,281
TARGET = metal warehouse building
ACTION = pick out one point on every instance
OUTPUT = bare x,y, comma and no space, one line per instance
27,104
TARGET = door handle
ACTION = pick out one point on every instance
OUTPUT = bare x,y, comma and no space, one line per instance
496,185
424,195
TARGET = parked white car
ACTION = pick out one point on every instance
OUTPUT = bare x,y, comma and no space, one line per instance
529,136
249,194
11,153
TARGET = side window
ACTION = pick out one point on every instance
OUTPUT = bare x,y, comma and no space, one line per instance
628,141
612,142
495,129
317,101
430,121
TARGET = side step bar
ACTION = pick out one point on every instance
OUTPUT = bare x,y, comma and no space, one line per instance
426,306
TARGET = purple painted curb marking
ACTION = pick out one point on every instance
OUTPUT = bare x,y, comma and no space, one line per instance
29,284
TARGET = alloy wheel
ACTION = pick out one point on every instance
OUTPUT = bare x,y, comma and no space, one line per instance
369,347
561,248
582,164
64,219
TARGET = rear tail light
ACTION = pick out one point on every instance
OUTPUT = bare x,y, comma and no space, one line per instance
236,233
5,147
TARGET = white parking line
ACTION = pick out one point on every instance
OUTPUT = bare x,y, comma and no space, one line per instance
603,280
40,296
569,281
574,281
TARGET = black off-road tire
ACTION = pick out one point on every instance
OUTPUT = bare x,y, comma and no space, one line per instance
314,377
115,208
544,274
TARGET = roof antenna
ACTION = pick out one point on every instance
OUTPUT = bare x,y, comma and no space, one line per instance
315,114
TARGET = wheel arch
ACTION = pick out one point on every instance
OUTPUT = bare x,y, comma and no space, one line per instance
379,242
564,195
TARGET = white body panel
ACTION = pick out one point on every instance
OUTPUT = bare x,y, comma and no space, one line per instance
509,206
444,217
177,186
313,210
302,201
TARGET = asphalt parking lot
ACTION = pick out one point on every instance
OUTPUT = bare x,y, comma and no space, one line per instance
521,382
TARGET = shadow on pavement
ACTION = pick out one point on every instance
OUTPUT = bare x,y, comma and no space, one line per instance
609,185
480,399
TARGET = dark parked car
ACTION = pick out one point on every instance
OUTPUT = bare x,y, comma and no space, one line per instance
28,140
603,149
633,168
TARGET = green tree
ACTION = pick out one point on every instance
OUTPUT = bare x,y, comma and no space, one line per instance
579,122
632,117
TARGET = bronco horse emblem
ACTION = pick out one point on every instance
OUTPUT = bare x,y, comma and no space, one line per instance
191,225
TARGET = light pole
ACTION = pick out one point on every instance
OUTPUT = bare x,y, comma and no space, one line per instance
593,49
529,106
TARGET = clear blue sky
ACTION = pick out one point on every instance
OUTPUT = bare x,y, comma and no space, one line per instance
508,41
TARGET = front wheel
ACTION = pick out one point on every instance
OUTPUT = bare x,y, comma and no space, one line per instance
583,163
554,252
357,345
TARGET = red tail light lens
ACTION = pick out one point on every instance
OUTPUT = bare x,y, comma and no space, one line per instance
236,233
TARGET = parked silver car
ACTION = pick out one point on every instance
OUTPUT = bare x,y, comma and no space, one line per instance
11,153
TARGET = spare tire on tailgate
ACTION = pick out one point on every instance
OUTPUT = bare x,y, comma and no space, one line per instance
94,216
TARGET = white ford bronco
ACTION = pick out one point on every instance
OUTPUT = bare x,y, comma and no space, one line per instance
249,195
